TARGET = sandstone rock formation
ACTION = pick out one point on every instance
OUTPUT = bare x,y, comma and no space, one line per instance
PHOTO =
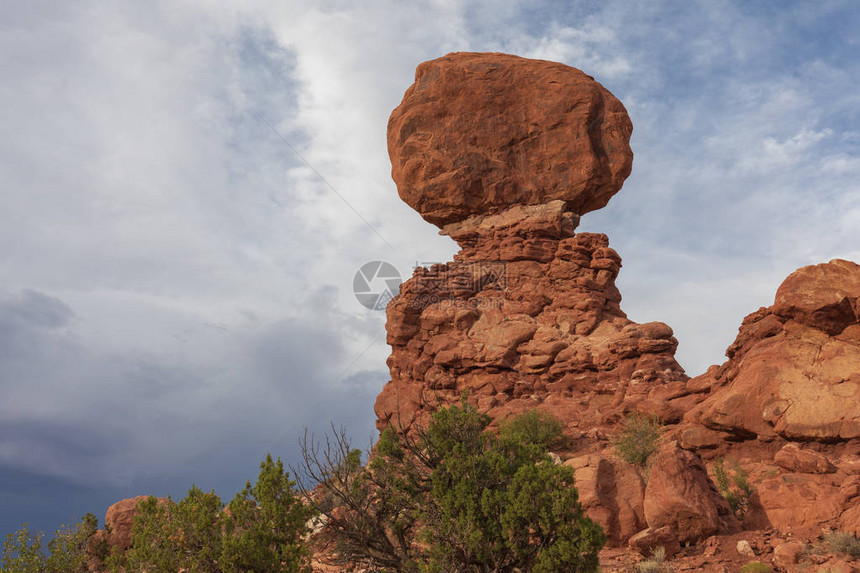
505,153
794,369
787,403
529,318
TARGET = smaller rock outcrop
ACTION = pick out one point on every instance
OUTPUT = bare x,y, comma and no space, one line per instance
793,369
612,493
119,519
787,403
680,495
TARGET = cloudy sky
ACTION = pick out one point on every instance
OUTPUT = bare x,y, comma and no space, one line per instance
188,187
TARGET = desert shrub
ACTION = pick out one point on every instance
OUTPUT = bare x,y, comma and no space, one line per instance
453,497
265,525
170,537
67,550
637,439
654,564
532,427
842,542
734,487
756,567
22,552
262,530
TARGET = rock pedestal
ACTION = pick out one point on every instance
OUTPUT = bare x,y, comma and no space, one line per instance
505,154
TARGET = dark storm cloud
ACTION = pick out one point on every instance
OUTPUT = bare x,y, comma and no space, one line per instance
33,309
134,424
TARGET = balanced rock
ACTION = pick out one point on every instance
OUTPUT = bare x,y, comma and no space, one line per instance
505,154
479,132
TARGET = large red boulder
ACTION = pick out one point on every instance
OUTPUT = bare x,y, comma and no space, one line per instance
822,296
680,495
611,492
479,132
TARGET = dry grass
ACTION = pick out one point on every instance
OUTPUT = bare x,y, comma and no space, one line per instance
842,542
656,564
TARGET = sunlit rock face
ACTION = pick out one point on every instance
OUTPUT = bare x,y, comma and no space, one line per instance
794,370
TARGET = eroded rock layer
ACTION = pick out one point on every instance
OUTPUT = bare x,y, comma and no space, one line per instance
526,315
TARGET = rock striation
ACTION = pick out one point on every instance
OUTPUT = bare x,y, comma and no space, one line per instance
505,154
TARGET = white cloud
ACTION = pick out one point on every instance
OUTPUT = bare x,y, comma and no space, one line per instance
594,48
